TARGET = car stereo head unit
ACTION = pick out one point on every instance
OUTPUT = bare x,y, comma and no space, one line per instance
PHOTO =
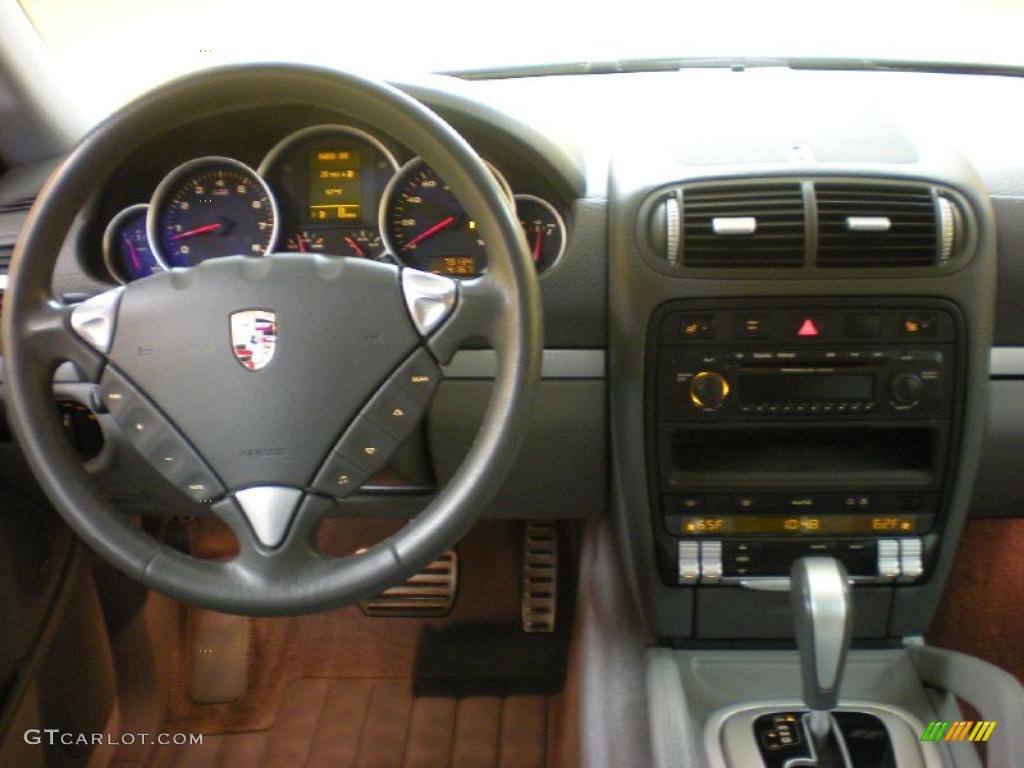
742,365
780,428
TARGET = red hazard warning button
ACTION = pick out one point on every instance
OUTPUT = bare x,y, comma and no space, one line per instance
809,327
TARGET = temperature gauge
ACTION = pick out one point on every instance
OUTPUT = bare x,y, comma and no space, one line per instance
544,229
126,250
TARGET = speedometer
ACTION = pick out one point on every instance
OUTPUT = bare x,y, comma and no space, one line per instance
425,227
211,207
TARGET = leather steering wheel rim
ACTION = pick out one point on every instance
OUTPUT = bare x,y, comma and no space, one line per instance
503,307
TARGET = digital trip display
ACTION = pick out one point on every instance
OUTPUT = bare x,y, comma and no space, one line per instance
806,525
335,188
460,266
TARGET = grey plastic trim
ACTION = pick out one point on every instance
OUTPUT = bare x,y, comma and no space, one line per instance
1006,361
429,298
269,510
94,319
996,694
555,364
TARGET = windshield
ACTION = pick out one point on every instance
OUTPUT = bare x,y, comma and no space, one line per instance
108,51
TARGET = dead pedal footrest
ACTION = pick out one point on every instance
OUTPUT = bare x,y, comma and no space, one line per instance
429,593
540,577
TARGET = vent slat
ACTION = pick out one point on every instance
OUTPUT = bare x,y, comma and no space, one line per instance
16,206
777,242
910,241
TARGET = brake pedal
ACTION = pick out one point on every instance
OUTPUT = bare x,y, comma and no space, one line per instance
540,577
428,594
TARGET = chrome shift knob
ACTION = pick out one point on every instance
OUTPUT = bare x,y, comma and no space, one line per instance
822,620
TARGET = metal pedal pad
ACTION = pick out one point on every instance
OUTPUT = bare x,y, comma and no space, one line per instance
540,577
429,593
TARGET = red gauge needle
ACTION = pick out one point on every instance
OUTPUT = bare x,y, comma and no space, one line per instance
355,246
538,244
432,231
302,243
198,230
133,253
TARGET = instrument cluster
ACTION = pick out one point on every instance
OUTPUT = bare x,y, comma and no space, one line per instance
330,189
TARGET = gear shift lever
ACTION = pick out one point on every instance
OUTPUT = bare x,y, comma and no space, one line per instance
822,620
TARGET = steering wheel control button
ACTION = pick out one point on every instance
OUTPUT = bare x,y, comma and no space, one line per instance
269,510
395,411
429,298
339,477
418,376
95,317
155,438
366,445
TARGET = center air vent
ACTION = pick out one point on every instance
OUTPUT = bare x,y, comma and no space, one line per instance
883,225
743,226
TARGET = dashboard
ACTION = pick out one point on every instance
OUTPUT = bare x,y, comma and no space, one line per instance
330,188
618,207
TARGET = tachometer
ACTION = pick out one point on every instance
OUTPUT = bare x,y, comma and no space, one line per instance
126,250
425,227
211,207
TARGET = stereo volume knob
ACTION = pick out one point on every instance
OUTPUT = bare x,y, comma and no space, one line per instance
905,388
708,389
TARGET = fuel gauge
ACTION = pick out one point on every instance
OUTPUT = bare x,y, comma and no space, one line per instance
126,250
544,229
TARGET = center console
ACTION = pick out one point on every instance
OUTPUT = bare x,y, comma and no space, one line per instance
784,428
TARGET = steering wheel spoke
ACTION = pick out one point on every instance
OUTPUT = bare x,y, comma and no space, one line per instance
274,525
475,316
57,332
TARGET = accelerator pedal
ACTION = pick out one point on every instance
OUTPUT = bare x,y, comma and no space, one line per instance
540,577
428,594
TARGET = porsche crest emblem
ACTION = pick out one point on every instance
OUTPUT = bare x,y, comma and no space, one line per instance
253,337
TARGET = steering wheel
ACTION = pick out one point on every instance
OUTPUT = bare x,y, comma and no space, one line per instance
357,349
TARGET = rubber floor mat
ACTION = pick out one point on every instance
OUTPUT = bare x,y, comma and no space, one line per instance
380,724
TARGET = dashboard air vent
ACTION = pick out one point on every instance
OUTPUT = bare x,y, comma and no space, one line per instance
15,206
758,225
883,225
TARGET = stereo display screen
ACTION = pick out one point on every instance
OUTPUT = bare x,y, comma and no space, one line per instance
769,387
